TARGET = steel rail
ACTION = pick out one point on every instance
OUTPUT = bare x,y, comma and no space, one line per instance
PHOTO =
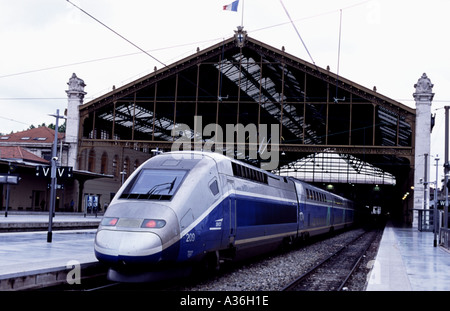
301,278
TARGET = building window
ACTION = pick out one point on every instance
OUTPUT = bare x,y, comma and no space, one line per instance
91,161
104,134
116,169
126,167
104,164
47,155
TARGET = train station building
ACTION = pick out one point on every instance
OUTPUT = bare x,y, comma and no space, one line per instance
284,114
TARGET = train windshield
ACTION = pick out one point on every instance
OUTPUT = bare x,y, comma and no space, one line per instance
154,184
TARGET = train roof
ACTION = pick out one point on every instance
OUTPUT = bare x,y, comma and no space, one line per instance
317,188
220,159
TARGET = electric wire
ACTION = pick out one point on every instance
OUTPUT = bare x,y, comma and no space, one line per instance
103,59
339,55
296,30
8,119
118,34
309,17
65,65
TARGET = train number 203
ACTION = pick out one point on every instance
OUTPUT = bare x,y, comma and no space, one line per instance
190,237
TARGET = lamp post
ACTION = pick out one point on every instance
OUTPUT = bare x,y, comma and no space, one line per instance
435,210
54,164
446,166
7,190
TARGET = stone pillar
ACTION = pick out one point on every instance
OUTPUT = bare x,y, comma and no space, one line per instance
423,97
75,96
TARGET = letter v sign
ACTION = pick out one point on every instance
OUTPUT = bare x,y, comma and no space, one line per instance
46,170
60,171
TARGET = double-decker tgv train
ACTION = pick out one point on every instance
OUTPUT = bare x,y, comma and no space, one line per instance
185,207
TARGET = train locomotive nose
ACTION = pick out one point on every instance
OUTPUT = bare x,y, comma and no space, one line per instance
114,246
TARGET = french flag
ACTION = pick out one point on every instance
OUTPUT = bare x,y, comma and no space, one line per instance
232,6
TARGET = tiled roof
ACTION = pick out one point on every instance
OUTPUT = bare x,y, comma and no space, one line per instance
40,134
18,153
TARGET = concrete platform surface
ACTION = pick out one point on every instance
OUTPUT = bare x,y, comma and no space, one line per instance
23,252
28,261
39,221
407,261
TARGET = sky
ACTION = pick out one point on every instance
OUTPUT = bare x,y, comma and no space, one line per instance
384,43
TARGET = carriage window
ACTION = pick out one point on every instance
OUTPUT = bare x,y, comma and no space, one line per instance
248,173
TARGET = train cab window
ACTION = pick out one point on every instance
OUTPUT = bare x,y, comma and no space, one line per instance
154,184
214,187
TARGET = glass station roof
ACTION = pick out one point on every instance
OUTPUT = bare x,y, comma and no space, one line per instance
254,83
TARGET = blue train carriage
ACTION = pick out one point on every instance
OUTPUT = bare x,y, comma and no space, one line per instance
264,208
321,211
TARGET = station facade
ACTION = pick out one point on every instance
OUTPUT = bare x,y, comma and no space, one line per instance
279,108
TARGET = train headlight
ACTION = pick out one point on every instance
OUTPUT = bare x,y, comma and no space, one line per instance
109,221
153,223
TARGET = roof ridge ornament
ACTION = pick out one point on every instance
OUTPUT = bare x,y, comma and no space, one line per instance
424,90
240,36
76,86
424,85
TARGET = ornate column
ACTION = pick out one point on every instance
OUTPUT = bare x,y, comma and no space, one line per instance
423,97
75,96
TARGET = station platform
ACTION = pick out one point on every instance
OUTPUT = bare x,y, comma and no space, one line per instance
28,261
408,261
38,221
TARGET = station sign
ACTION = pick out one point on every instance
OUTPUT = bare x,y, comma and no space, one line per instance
57,186
9,179
61,171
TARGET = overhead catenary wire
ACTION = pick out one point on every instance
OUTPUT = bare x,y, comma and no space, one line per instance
12,120
118,34
298,33
138,47
309,17
336,99
102,59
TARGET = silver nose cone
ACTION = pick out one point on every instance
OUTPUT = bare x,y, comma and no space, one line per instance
126,243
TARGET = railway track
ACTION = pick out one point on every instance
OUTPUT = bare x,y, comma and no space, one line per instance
274,271
332,273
